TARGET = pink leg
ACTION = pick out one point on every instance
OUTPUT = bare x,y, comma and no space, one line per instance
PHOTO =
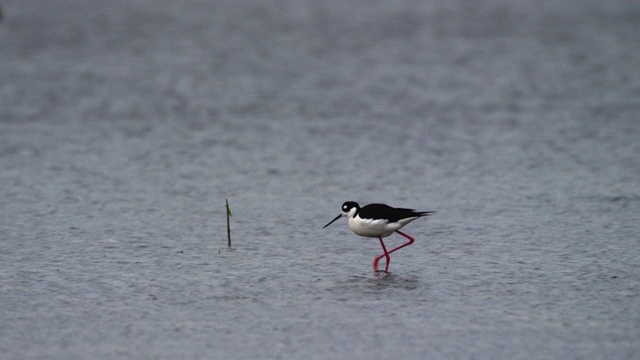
411,240
386,254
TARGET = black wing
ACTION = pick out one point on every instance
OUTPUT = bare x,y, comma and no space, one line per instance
382,211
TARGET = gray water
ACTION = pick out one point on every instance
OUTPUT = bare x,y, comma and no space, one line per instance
124,126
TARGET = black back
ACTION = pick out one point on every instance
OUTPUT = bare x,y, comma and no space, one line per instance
382,211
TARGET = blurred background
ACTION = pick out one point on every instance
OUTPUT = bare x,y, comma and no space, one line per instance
124,126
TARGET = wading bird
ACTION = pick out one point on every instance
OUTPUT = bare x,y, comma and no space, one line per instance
378,221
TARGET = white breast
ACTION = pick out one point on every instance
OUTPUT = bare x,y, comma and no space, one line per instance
372,228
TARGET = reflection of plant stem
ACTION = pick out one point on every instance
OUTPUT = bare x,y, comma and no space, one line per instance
228,228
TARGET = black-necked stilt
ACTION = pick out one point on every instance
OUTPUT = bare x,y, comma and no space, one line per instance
378,221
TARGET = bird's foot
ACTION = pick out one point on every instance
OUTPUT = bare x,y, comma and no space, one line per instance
380,273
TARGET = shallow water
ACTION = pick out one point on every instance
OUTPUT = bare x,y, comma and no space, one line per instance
125,125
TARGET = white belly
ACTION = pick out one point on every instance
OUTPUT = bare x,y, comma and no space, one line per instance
373,228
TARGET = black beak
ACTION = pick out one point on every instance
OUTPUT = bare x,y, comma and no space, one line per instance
332,221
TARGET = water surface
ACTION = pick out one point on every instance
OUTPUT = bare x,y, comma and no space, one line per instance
124,126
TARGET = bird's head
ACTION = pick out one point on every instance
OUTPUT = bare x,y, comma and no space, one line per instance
349,210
